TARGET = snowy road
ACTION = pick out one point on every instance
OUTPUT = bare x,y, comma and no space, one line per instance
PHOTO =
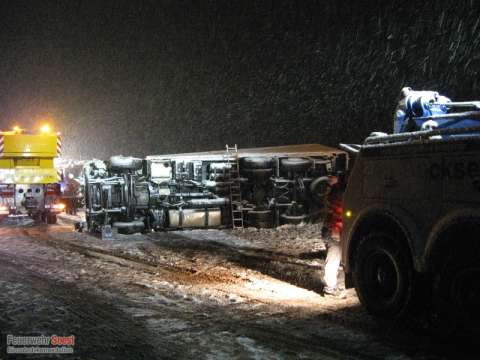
195,294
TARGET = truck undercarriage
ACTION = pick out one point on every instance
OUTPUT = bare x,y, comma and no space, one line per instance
255,187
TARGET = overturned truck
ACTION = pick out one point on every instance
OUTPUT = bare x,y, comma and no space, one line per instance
262,187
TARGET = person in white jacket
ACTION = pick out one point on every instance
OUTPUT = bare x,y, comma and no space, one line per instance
331,233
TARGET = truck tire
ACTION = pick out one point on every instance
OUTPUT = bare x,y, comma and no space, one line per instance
260,218
258,162
457,290
383,275
319,188
458,295
119,162
295,164
129,227
293,219
258,174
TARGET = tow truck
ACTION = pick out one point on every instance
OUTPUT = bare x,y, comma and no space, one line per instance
29,181
412,212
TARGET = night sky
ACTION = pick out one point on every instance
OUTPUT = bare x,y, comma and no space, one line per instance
128,77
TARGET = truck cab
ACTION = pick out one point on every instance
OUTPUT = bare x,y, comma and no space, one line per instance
29,181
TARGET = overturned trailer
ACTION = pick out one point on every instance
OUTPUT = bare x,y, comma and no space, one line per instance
261,187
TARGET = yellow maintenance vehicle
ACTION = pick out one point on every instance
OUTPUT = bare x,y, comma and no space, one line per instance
29,181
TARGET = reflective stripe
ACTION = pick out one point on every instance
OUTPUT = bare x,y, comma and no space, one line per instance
59,145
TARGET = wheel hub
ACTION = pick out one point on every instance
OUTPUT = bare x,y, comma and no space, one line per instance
383,275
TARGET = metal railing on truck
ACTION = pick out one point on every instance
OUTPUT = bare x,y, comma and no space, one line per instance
425,135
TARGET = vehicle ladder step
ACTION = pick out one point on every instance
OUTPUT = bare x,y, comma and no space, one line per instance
233,177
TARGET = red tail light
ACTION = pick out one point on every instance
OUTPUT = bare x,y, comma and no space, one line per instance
53,190
7,191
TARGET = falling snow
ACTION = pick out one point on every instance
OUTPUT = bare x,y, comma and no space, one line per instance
145,78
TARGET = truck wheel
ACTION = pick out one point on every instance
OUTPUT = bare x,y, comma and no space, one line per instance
258,174
130,227
119,162
457,292
319,188
295,164
258,162
260,218
383,275
293,219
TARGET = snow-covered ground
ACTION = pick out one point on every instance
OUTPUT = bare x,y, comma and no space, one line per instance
211,294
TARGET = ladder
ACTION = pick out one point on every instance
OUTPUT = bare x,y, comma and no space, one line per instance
234,184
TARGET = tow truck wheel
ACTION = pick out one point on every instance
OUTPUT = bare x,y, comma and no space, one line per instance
457,289
383,275
458,293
